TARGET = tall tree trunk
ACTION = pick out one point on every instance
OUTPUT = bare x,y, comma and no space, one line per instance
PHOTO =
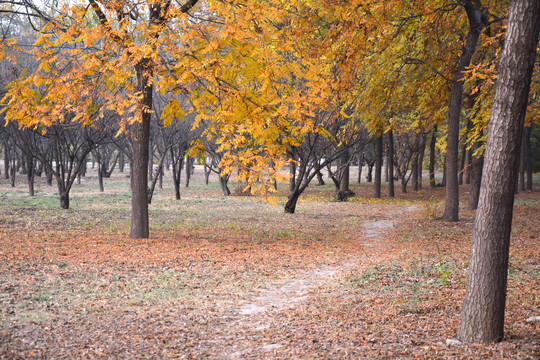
223,182
378,165
421,161
190,167
522,163
344,191
30,175
414,171
477,164
141,148
390,160
463,159
360,165
6,161
528,159
292,172
369,175
320,179
432,143
13,171
101,171
150,162
475,16
121,162
482,320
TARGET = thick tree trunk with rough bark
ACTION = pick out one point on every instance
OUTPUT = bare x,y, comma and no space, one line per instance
475,16
482,319
141,147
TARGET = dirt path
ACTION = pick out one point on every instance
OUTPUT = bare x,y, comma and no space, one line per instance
249,323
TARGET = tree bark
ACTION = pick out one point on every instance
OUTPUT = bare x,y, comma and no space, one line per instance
344,191
432,143
482,319
141,147
360,165
30,175
528,159
6,161
378,165
390,160
476,177
292,172
475,16
421,161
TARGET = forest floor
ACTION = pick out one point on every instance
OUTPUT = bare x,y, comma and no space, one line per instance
234,278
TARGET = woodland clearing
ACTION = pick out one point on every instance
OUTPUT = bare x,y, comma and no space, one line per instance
236,278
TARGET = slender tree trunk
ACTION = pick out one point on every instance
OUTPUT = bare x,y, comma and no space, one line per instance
390,160
150,162
344,191
482,319
432,143
477,164
190,169
369,175
207,171
360,165
414,172
522,163
475,15
292,172
121,162
320,180
378,165
223,181
6,161
421,161
141,149
101,171
528,162
463,159
13,171
30,175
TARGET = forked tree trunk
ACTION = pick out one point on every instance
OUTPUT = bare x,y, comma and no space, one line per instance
482,319
475,16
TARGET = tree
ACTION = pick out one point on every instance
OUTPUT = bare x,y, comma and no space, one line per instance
482,319
111,46
477,21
